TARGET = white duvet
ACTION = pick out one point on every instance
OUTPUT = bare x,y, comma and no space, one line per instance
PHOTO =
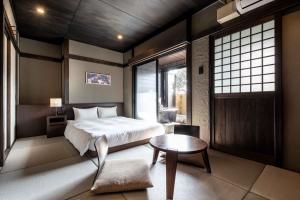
118,130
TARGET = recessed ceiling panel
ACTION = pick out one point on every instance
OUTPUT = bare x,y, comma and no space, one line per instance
98,22
52,25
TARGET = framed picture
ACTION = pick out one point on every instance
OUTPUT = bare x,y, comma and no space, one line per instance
97,79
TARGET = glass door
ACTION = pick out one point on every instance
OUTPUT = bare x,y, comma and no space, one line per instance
146,91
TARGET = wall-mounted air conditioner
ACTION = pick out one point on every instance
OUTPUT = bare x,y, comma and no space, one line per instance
227,12
244,6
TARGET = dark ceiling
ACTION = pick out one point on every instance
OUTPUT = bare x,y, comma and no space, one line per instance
98,22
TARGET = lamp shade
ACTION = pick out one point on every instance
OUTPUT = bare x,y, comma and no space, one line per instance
55,102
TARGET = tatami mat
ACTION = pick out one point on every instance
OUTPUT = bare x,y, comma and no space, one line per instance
90,196
278,184
55,180
238,171
191,181
252,196
42,168
35,151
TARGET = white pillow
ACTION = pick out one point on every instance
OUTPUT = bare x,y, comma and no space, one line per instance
107,112
85,114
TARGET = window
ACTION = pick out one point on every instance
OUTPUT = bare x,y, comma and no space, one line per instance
245,61
146,95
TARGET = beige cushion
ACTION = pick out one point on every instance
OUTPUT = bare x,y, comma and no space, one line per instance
122,175
277,184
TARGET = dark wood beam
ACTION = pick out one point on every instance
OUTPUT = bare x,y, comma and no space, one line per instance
151,55
40,57
189,69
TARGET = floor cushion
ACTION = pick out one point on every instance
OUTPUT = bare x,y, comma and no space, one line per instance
122,175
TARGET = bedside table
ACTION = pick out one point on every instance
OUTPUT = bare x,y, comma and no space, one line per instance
56,125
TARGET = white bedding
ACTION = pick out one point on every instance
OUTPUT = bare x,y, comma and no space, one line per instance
118,130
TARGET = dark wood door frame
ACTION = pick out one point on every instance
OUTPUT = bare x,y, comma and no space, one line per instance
187,46
2,156
8,98
277,158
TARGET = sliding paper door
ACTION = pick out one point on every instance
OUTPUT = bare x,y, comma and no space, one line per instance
146,91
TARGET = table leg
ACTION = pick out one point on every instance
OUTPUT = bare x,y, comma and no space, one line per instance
155,156
206,160
171,164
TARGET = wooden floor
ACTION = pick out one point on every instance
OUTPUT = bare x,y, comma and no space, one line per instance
41,168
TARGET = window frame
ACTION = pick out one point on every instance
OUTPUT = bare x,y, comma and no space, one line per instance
240,28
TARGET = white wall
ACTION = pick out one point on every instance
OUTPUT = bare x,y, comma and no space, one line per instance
80,92
40,48
91,51
291,92
200,87
39,79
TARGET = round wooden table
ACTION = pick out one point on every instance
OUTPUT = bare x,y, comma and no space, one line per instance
174,144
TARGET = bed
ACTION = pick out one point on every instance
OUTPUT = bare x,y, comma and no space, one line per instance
120,131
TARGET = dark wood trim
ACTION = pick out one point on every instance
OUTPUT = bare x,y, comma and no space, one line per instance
189,69
40,57
2,153
211,91
65,70
157,93
151,56
94,60
279,94
133,91
8,92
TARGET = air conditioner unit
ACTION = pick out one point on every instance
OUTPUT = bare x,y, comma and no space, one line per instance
227,12
244,6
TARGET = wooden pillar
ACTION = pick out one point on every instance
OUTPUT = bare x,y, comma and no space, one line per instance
189,69
65,74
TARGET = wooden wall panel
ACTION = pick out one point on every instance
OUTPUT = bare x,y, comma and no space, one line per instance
245,126
31,119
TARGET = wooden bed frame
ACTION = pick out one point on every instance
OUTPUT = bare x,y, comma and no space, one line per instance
119,148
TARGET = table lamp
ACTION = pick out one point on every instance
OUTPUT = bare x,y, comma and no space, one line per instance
55,103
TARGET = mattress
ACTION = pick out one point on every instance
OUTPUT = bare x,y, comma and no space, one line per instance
118,130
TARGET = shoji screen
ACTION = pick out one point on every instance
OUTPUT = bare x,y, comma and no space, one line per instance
246,91
245,60
146,92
